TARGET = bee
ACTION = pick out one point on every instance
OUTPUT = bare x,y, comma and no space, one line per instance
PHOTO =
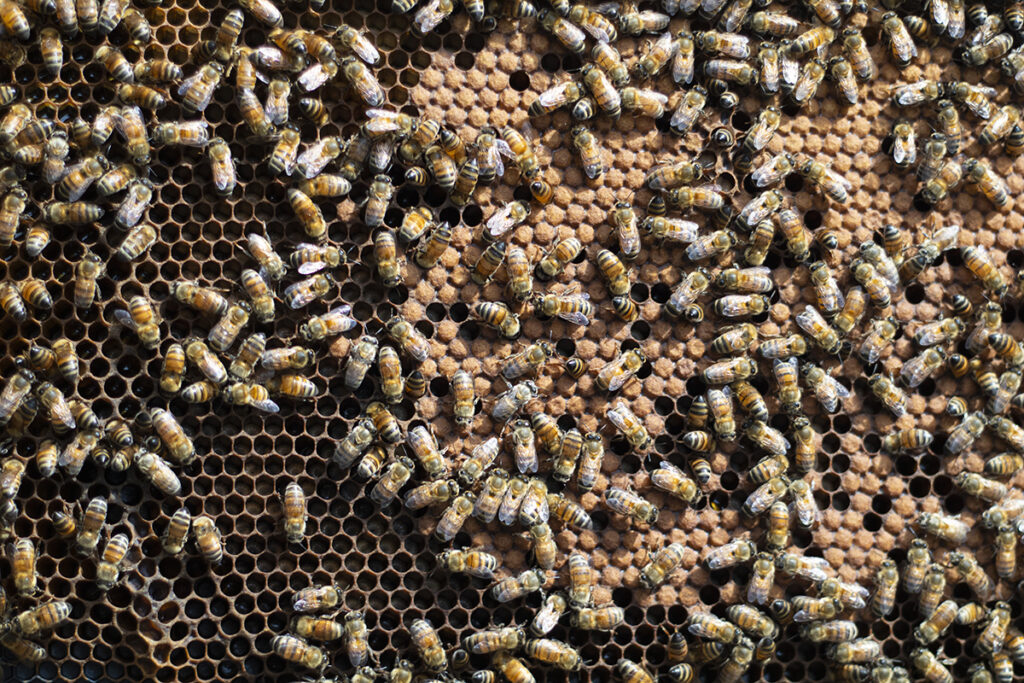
548,615
930,666
308,213
298,651
556,97
810,321
590,152
173,540
373,460
177,444
354,443
599,618
110,564
473,562
735,339
826,388
317,598
510,506
480,459
436,243
23,567
293,504
569,452
271,264
423,445
630,504
901,43
615,374
937,623
764,496
91,524
979,173
158,473
524,155
494,640
35,620
283,162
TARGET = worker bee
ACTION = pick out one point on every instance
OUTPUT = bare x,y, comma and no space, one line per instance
630,504
430,493
808,81
45,617
553,652
283,161
317,598
688,110
908,440
922,366
546,618
173,540
891,396
158,473
473,562
423,445
569,452
930,666
137,242
590,462
518,586
685,295
515,495
111,561
354,443
767,438
1006,552
705,625
979,173
933,155
783,347
826,388
298,651
663,563
615,374
977,485
271,264
630,425
1004,120
308,213
481,457
811,322
735,339
901,43
493,640
599,618
91,524
430,250
765,495
947,528
777,533
293,504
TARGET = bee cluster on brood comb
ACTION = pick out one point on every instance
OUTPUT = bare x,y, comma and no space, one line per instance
299,382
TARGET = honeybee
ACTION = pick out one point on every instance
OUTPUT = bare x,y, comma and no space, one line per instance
516,493
599,618
886,580
91,524
979,173
1006,552
977,485
826,388
430,250
298,651
45,617
158,473
473,562
1004,464
423,445
173,540
630,504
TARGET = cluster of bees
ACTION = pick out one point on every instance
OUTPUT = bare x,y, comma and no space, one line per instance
99,168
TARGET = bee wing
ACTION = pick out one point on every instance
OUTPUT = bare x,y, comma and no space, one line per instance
610,9
62,414
310,267
838,387
654,94
503,148
500,222
365,50
125,318
266,405
379,126
666,465
554,97
189,82
682,67
808,319
310,79
618,381
598,33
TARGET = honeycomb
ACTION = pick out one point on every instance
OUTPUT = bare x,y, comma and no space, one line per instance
177,618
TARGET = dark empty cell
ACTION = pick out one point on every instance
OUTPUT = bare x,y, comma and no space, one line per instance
881,503
872,522
906,465
872,443
519,80
841,500
920,487
930,465
840,463
465,60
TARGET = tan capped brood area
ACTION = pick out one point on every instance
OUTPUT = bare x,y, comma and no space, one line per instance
511,341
